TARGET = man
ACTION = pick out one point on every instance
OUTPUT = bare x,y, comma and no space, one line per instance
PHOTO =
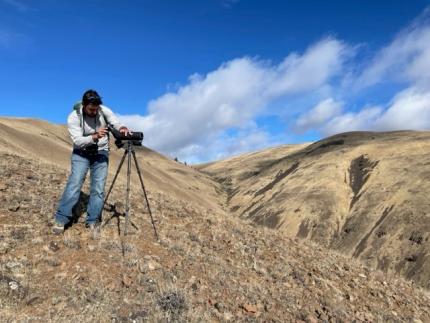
87,126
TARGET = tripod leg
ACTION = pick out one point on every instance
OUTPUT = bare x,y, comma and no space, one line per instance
144,193
116,175
111,186
108,220
127,203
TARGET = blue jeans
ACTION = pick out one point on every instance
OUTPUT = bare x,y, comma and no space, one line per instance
98,166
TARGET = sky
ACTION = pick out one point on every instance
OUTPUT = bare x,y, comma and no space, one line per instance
208,79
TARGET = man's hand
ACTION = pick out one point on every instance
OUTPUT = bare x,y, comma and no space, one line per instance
100,134
125,131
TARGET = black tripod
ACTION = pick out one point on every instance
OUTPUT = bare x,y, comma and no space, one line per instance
129,150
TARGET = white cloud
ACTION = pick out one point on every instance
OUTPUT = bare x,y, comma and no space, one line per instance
350,121
231,97
406,58
214,115
313,69
320,114
226,145
410,110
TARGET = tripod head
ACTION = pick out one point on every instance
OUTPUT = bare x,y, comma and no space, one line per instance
136,138
130,141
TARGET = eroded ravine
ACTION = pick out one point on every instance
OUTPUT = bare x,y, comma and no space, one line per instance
359,193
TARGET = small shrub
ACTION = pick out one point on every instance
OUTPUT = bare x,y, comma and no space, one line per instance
172,302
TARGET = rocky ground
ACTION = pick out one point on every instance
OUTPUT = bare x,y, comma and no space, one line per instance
205,267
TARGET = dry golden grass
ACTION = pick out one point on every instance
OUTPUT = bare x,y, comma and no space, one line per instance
362,193
207,266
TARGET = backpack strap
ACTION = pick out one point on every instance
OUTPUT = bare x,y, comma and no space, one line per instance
78,108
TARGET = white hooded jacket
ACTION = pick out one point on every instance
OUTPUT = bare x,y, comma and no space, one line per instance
81,127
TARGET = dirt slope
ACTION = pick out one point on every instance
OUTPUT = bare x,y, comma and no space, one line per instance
362,193
207,266
51,144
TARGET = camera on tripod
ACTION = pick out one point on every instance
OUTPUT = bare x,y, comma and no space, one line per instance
135,138
129,140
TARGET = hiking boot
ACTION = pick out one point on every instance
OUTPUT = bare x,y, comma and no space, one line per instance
93,226
94,229
58,228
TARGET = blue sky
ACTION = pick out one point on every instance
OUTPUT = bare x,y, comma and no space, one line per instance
208,79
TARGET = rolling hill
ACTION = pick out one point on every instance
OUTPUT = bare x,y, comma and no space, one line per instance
362,193
232,245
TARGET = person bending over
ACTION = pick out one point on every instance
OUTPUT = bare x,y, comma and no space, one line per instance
87,125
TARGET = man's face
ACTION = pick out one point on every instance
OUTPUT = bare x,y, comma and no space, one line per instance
91,110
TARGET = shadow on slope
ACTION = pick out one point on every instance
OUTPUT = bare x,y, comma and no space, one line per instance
362,193
205,267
